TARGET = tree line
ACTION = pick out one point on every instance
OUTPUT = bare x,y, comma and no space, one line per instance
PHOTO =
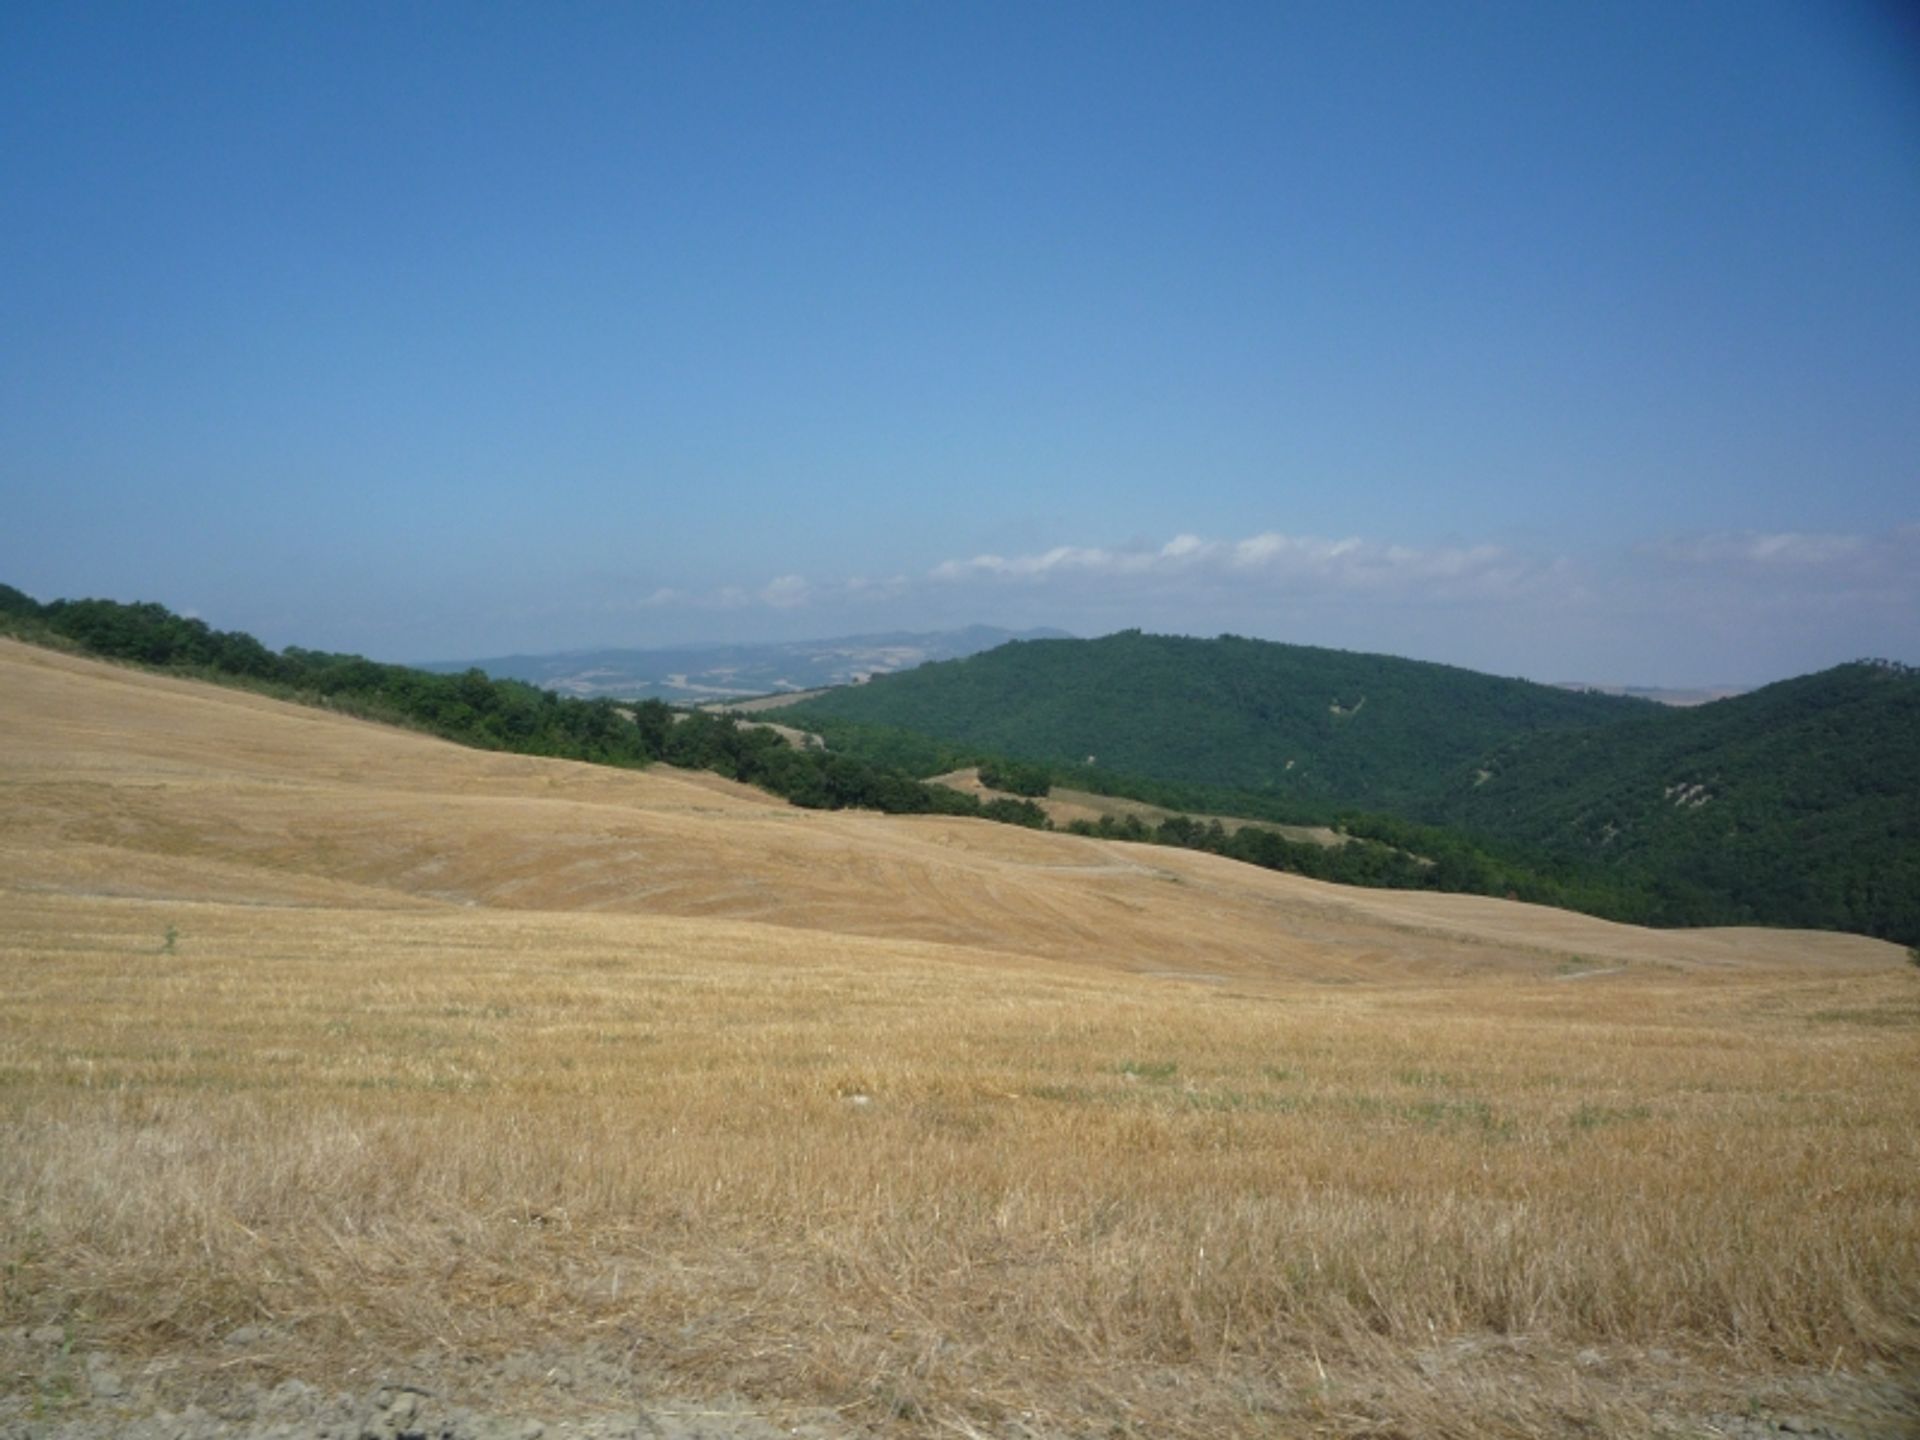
489,714
1738,858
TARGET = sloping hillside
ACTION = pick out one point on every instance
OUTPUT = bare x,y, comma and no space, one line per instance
129,784
1797,804
351,1079
1064,806
1333,725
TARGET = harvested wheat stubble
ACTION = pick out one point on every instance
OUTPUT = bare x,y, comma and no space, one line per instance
391,1049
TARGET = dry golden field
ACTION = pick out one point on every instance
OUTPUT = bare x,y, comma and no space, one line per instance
380,1048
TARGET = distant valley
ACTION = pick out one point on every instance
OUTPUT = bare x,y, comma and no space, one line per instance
1678,696
696,673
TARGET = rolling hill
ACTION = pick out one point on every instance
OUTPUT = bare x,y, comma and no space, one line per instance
1329,726
1789,805
1794,804
134,785
351,1079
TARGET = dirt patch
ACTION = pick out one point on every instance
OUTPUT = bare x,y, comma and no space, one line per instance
242,1388
763,702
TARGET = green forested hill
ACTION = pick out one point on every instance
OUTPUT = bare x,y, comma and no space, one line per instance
1798,804
1288,720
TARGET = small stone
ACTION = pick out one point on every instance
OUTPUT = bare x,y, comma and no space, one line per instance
102,1379
47,1335
242,1336
403,1408
291,1395
494,1428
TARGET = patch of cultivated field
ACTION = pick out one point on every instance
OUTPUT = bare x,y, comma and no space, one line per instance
1064,806
386,1054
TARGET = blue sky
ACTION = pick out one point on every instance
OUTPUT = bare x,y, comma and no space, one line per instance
1556,340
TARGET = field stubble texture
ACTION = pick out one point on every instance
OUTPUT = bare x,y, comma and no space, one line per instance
477,1100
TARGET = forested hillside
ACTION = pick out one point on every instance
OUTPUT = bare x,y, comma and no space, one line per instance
1369,731
1798,804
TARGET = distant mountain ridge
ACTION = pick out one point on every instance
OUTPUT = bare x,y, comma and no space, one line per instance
722,672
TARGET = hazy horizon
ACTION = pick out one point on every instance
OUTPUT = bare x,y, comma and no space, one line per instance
1016,633
1578,345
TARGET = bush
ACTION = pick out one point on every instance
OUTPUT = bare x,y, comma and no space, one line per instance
1016,778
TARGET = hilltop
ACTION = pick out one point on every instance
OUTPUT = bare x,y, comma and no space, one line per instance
1316,725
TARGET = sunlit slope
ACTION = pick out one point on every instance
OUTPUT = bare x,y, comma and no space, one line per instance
120,783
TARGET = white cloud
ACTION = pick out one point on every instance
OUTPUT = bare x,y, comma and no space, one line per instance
1802,549
1270,560
1735,606
1790,571
1061,560
786,592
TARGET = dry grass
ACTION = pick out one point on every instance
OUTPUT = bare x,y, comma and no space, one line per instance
390,1047
1063,806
